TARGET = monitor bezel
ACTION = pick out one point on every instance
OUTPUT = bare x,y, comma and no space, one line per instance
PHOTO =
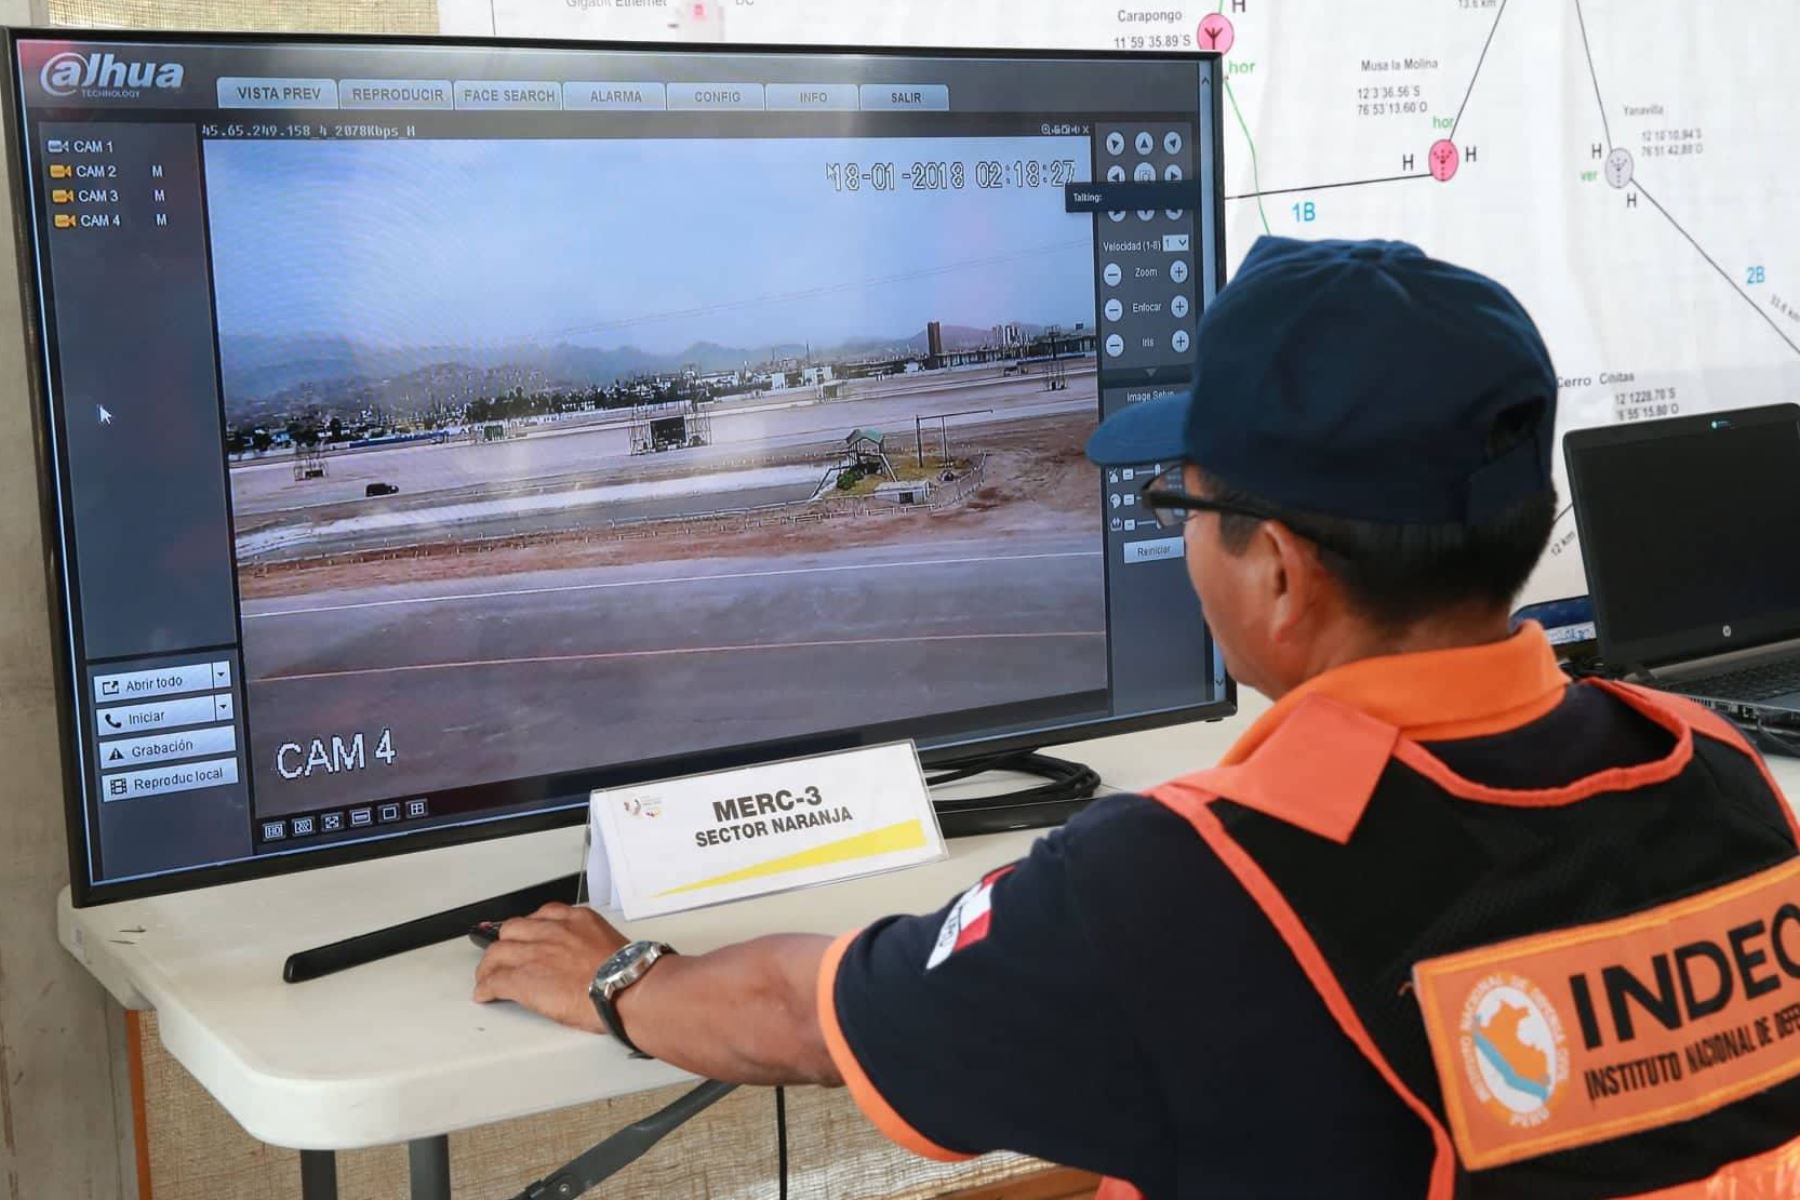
86,892
1640,654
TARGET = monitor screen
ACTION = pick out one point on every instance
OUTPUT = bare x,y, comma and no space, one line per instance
434,432
1686,536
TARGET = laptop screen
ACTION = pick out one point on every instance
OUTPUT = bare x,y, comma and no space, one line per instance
1691,534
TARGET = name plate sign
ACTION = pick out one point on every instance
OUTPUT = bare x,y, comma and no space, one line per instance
705,839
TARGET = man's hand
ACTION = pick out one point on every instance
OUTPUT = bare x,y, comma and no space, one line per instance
546,962
742,1014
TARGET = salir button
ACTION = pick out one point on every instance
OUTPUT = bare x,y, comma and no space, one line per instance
905,97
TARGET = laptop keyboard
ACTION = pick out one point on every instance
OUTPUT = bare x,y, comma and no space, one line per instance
1749,683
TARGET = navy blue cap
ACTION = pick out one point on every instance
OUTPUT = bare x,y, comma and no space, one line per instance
1358,379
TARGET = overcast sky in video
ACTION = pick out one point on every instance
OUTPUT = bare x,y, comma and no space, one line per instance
654,244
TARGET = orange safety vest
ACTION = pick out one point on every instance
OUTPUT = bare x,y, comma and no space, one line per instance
1614,1021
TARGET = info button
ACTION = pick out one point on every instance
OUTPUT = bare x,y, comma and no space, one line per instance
812,97
1155,550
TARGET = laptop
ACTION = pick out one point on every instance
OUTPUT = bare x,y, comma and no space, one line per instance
1690,531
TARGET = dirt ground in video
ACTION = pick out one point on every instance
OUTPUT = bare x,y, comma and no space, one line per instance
1034,479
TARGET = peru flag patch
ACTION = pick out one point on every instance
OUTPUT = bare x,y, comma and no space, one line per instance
968,919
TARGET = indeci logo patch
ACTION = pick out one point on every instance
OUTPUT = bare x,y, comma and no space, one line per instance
1587,1034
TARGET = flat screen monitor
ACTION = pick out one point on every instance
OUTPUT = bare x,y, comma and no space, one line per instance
1687,532
434,431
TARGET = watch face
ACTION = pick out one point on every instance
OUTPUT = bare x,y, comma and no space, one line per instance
623,958
621,967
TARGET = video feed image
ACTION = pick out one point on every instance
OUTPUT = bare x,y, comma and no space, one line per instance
551,454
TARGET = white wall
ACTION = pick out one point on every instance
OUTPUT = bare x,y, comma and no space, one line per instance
65,1112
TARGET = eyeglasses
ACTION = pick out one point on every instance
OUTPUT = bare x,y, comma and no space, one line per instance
1172,507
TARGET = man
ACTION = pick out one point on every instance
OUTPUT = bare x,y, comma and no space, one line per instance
1441,924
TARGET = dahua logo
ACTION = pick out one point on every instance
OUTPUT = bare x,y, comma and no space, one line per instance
67,73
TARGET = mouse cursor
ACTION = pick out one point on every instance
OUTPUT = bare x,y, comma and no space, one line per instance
105,417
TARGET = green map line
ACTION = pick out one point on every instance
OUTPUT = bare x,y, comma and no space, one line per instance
1255,174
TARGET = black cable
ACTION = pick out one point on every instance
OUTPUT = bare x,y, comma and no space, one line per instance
781,1151
1067,791
1067,780
1766,737
965,770
1784,743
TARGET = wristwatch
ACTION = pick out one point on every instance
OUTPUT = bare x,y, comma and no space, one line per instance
614,976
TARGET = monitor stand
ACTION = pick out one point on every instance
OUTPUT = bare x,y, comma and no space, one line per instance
1067,789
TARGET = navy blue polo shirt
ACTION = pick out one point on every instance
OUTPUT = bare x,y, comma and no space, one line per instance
1116,1001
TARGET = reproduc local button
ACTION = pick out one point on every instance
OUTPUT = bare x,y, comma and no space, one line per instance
163,781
